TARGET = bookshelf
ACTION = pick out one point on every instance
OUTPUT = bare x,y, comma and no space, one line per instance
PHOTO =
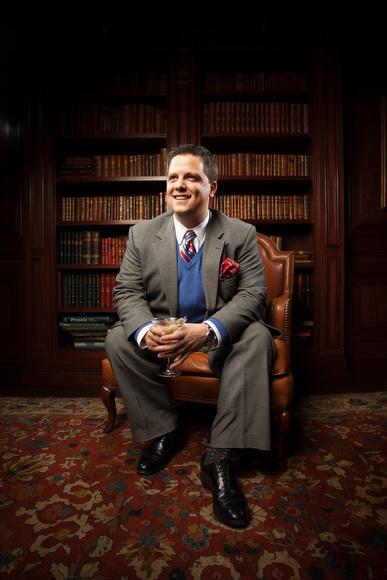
110,173
257,118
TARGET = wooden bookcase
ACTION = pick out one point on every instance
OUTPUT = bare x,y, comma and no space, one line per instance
111,166
256,116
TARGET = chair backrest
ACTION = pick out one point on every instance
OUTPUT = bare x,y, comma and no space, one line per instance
279,268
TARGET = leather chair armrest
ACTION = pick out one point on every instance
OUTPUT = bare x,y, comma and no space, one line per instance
282,363
282,380
279,314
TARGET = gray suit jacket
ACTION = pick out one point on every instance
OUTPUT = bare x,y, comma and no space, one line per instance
147,284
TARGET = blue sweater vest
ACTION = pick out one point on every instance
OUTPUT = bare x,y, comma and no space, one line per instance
192,302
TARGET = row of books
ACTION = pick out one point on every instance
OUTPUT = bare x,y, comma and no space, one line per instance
85,119
272,207
256,81
255,117
277,240
303,289
142,165
88,247
264,164
146,164
87,289
87,332
110,208
302,333
303,256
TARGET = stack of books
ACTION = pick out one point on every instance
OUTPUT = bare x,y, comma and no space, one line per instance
88,290
87,332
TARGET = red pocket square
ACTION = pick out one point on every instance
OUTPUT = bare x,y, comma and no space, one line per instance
228,269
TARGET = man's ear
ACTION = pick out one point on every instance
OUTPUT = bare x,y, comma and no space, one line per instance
214,187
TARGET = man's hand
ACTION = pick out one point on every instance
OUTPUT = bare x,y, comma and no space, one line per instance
179,345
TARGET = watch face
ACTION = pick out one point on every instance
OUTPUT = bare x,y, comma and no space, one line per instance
211,336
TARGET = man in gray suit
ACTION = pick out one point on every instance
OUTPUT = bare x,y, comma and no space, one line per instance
220,287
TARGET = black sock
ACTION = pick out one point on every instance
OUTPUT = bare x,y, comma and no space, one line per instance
215,454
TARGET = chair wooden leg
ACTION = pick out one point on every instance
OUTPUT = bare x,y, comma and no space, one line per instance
281,426
108,396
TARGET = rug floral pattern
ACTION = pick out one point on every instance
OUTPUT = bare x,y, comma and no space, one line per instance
72,505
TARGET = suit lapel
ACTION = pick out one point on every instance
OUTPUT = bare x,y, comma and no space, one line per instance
213,248
166,256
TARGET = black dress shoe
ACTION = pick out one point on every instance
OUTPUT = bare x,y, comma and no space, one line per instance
158,455
229,503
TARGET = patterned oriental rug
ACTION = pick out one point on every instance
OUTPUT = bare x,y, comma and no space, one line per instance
72,505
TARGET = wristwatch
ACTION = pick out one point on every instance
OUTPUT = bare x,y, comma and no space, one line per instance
212,339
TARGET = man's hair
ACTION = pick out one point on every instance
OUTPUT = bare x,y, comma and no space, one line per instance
209,161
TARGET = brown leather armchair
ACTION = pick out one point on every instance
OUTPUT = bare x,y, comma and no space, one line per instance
198,384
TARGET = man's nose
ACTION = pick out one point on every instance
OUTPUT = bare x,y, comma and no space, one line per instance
180,183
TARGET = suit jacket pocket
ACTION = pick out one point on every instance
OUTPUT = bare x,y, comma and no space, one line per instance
227,289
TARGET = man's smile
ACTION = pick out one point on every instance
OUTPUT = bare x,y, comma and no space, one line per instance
181,197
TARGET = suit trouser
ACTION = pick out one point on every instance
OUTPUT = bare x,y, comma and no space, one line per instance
243,410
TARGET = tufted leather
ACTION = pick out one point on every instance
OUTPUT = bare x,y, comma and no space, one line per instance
197,383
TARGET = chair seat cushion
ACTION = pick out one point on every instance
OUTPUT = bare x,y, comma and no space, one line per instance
197,363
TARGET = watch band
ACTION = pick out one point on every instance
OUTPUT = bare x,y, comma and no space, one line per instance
212,339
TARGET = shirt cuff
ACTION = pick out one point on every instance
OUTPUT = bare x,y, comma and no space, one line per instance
140,333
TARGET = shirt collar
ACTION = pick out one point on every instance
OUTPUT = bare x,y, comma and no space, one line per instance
200,230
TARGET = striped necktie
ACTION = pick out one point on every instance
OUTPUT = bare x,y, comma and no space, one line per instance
188,249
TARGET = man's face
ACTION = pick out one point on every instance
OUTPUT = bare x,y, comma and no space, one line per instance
188,189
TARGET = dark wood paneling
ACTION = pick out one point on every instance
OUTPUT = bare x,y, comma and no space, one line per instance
367,223
182,127
328,155
13,313
39,204
12,223
11,148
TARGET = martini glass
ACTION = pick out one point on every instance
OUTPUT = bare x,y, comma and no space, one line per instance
169,325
